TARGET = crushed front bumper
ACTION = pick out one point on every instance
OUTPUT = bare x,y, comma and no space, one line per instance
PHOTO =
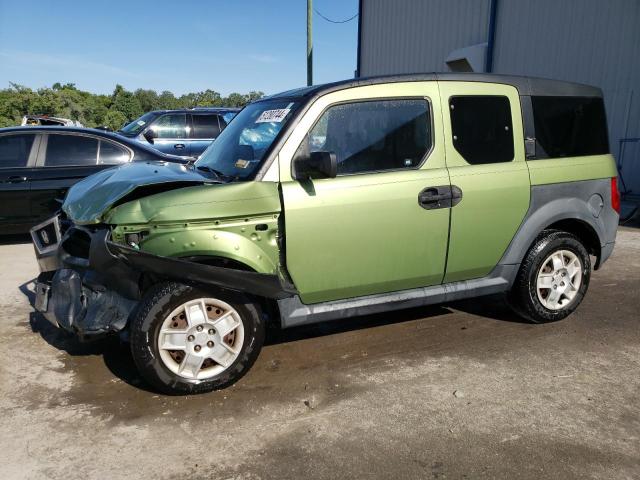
71,302
82,287
90,285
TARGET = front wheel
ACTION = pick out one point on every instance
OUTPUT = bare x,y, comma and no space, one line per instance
553,278
186,340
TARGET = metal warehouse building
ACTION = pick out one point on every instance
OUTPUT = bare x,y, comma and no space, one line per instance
588,41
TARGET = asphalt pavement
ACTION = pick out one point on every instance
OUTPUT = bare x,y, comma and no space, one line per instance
463,390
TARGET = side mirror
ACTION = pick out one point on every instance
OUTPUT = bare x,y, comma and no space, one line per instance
149,134
316,165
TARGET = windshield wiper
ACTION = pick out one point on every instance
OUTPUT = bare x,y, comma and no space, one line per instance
217,173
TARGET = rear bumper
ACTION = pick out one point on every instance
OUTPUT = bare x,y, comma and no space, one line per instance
605,253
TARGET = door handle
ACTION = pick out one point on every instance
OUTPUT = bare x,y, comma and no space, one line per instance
16,179
443,196
179,146
433,195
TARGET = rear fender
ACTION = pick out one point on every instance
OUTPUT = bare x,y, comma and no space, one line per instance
586,201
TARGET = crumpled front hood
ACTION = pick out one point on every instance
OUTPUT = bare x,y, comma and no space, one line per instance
88,200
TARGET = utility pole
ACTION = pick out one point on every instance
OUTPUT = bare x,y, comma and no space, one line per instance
309,42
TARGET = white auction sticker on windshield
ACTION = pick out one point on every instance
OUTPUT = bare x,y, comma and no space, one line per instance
275,116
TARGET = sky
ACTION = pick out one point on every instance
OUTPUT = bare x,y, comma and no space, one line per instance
182,46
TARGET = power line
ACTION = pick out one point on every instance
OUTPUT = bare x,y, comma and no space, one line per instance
334,21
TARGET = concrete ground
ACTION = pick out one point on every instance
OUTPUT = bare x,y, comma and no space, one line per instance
455,391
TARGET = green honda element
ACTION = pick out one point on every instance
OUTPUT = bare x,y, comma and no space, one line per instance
332,201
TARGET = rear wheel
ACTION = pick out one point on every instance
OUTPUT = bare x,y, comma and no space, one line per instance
186,340
553,278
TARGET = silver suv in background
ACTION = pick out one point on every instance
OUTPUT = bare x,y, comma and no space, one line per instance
185,132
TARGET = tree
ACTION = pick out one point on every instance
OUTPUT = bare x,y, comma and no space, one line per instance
235,100
148,99
126,103
114,119
66,100
252,96
167,100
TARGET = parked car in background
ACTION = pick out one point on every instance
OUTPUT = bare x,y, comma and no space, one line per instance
46,120
39,164
186,132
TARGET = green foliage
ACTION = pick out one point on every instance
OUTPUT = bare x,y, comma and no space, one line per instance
113,111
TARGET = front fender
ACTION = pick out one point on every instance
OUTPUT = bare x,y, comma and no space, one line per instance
258,249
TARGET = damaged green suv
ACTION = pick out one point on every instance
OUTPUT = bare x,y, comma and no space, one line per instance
332,201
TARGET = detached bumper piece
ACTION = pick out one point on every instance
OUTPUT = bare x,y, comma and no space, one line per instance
71,302
83,288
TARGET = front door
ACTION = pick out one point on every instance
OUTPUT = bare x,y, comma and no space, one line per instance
485,157
171,134
365,232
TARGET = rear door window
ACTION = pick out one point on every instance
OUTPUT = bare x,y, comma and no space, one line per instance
110,153
569,126
205,126
71,150
481,128
15,150
373,136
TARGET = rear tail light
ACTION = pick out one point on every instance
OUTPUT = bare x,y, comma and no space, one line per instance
615,194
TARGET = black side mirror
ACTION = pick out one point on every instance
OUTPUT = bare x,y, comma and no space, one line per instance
149,134
316,165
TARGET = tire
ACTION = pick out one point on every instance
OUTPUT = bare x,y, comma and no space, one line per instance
191,324
538,283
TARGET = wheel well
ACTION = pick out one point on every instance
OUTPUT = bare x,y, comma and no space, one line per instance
585,233
268,305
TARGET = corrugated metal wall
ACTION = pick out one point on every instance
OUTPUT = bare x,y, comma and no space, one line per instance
407,36
589,41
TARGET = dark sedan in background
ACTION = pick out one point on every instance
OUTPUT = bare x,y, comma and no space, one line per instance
39,164
186,132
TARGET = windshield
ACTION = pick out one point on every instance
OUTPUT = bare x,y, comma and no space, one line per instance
241,147
139,124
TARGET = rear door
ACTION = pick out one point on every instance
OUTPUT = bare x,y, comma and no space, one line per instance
64,160
365,231
171,134
18,154
486,161
205,128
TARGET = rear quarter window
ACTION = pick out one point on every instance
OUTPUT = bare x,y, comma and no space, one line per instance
110,153
569,126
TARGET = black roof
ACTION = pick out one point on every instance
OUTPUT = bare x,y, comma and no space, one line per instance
525,85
